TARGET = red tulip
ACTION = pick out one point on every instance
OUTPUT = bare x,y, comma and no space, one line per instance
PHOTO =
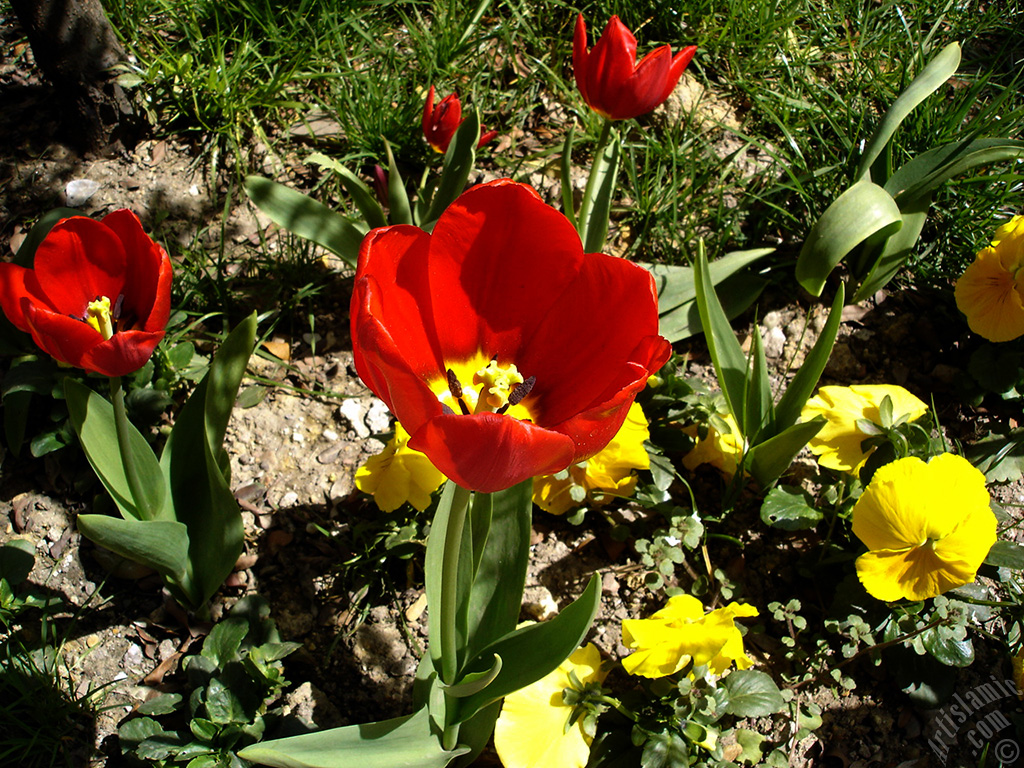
98,296
441,122
503,349
611,81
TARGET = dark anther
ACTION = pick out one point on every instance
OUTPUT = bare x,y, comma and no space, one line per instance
118,306
463,407
521,390
454,385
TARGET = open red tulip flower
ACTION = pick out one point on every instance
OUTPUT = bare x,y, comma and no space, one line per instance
611,81
503,349
440,122
98,296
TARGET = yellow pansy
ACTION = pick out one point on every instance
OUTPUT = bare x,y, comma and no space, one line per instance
723,450
928,527
667,641
533,728
606,475
838,444
991,290
399,474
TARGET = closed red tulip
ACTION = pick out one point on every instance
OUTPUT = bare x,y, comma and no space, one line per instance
611,81
98,296
440,122
503,349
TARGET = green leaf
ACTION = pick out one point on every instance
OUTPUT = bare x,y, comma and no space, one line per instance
93,419
752,693
475,682
16,560
945,648
565,164
790,509
398,198
923,175
16,406
533,651
863,212
1000,457
887,259
27,252
224,641
362,195
1006,554
403,741
726,354
751,742
30,376
163,704
677,285
759,412
929,80
806,379
158,544
665,749
458,164
767,461
606,170
305,217
223,706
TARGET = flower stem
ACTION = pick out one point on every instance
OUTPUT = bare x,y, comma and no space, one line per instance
140,497
587,204
450,583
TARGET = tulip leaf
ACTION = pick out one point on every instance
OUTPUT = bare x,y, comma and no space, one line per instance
767,460
195,465
806,379
404,740
361,194
736,294
398,198
158,544
606,173
568,198
863,212
92,417
676,284
928,171
305,217
474,682
532,652
929,80
726,354
891,255
759,412
458,163
496,595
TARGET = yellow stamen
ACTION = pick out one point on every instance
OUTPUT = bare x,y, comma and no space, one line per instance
497,384
97,314
484,386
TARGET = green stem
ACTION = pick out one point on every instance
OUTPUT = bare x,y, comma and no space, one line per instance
587,204
616,705
450,583
140,498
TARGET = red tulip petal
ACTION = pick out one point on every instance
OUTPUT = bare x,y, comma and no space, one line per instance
123,353
611,63
63,338
428,110
642,91
592,328
147,288
488,452
499,259
77,261
485,137
580,56
679,63
17,283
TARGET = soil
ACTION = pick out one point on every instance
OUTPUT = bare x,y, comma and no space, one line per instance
294,454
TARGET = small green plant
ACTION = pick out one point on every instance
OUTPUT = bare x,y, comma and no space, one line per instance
233,684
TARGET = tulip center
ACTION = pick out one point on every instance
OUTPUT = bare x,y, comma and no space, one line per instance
98,315
484,386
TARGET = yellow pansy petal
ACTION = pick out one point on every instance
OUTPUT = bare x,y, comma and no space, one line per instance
720,450
928,527
988,294
399,474
530,732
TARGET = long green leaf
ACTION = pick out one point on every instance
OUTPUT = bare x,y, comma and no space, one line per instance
806,379
398,198
768,460
92,417
361,194
402,741
606,168
864,211
458,164
759,416
305,217
736,294
894,252
928,171
676,284
158,544
726,354
937,72
530,653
